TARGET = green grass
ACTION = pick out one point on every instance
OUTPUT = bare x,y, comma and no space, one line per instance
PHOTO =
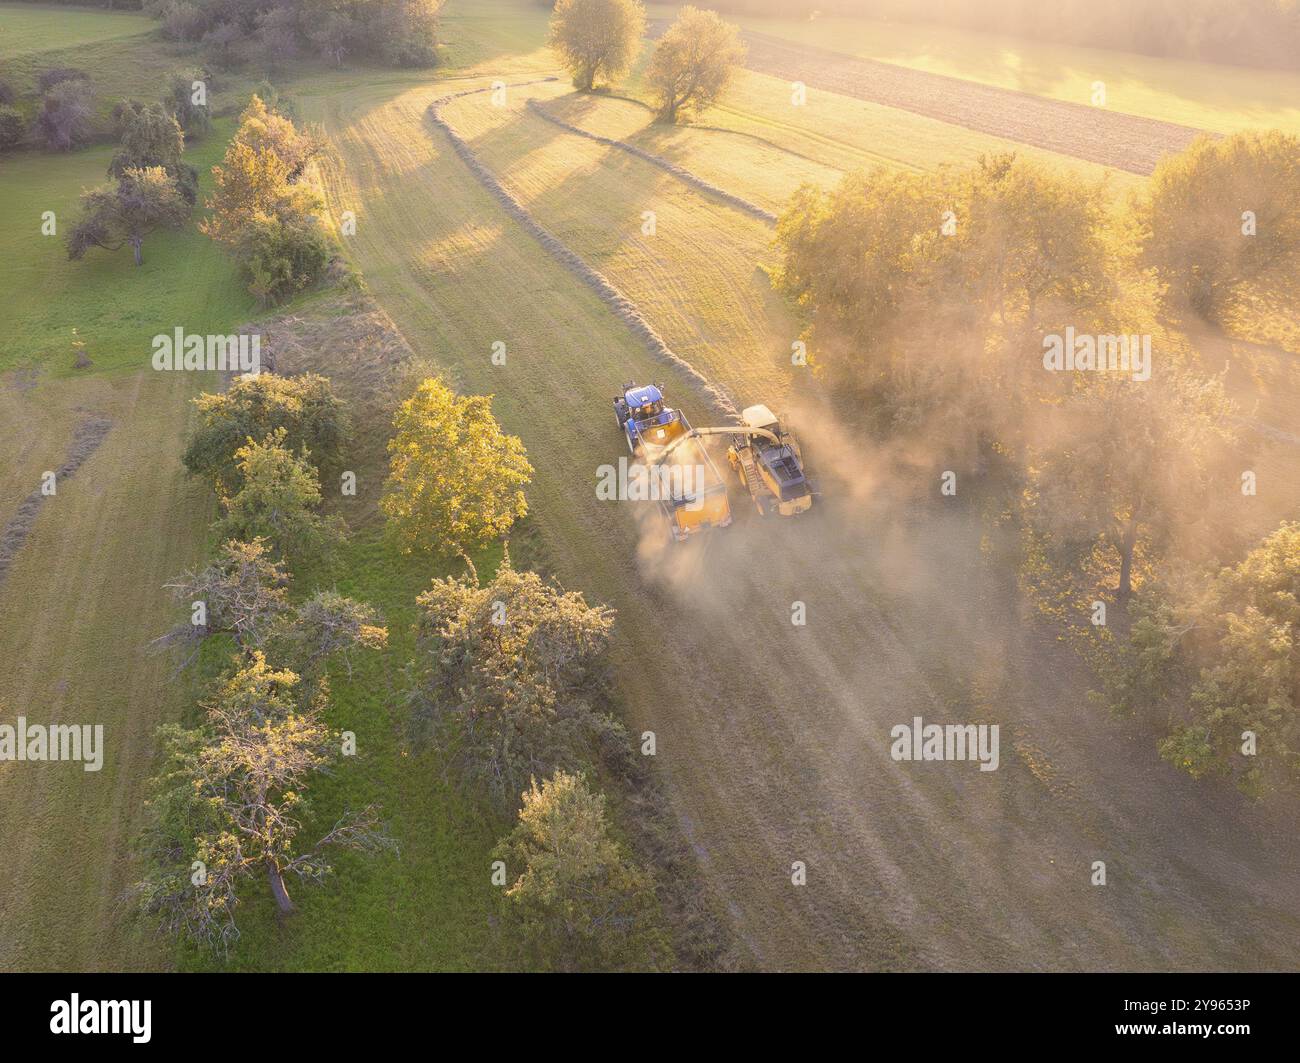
28,29
186,279
427,908
78,609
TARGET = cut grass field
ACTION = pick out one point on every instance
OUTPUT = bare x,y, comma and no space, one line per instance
82,597
1211,96
770,737
775,757
29,29
78,607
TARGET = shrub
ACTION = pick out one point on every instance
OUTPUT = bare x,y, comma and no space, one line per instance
57,75
12,126
64,119
282,256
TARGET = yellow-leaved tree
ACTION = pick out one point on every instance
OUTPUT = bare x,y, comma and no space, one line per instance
455,478
596,38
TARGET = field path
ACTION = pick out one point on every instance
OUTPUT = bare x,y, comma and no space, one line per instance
1094,134
774,738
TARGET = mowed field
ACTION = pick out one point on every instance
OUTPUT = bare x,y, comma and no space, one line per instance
1200,95
775,738
81,588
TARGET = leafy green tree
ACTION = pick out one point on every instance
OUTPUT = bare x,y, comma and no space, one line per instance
596,39
456,480
231,802
579,901
276,502
141,202
282,256
152,137
194,118
504,673
693,63
1223,664
405,31
893,271
253,407
1221,223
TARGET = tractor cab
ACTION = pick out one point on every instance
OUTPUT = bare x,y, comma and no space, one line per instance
644,418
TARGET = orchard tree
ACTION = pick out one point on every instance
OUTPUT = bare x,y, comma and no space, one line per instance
267,131
230,804
152,137
258,177
578,900
1133,462
251,185
503,675
597,39
1221,223
142,201
255,406
329,625
456,480
693,63
243,594
277,501
1223,663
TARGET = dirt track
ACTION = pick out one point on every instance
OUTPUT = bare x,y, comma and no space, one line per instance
1094,134
775,738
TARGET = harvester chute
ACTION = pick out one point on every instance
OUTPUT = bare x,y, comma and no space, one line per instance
769,462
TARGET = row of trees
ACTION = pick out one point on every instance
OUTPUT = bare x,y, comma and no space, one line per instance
269,33
232,803
931,302
690,68
507,683
260,210
506,680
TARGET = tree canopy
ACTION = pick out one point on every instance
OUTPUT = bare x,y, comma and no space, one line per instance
456,479
596,39
693,63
